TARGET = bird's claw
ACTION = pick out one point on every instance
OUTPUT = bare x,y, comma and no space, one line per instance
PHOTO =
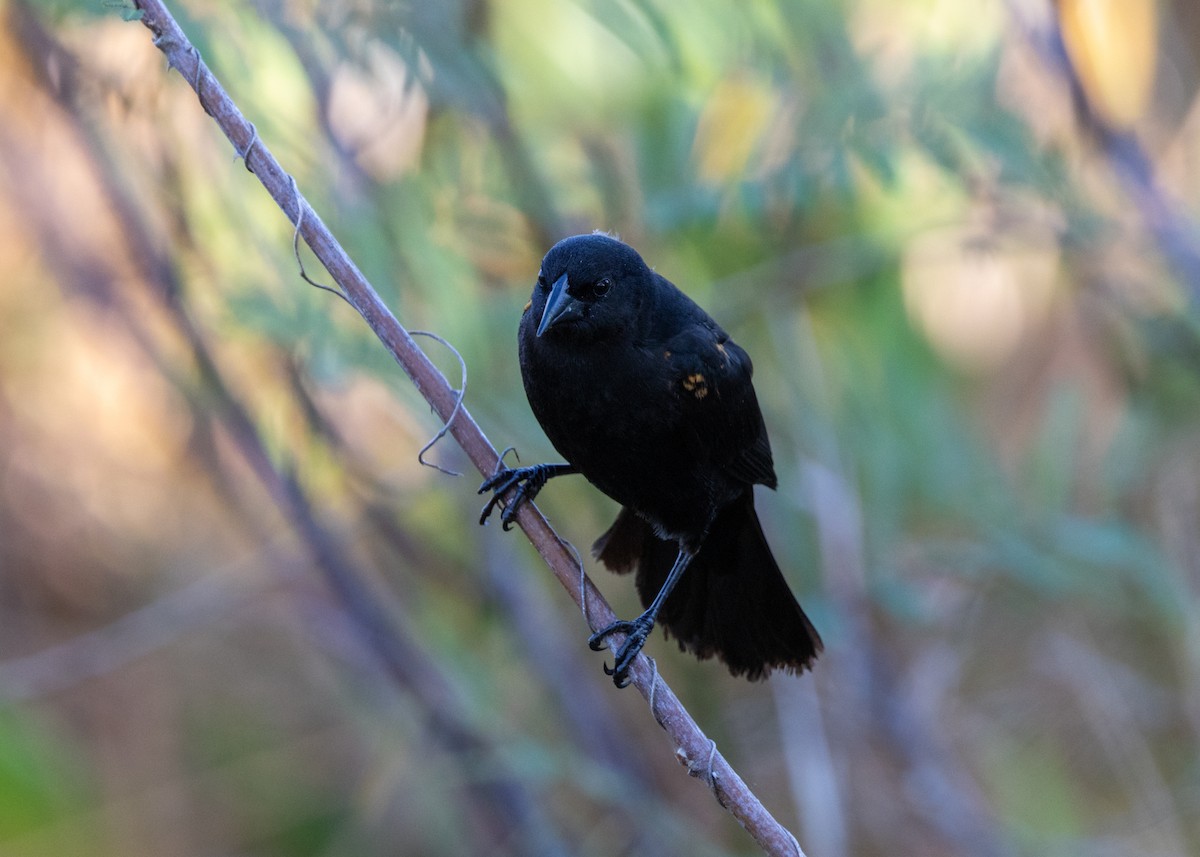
499,482
635,633
598,642
528,481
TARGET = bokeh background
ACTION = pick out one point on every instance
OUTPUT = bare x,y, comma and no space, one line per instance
958,240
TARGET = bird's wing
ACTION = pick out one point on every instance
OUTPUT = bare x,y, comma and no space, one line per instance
711,380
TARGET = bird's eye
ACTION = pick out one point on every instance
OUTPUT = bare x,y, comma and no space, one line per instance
601,288
541,280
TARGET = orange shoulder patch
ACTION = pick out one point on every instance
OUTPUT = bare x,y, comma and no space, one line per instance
696,384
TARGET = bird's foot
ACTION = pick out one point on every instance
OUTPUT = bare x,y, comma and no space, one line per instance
636,633
528,481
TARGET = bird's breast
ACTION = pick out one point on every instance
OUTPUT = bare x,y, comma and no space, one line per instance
612,413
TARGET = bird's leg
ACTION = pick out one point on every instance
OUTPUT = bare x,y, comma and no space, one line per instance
528,482
639,629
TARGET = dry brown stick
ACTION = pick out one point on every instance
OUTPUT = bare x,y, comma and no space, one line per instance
693,749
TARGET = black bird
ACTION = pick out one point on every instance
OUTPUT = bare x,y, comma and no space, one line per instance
647,397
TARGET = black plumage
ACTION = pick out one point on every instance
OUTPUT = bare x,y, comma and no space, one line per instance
648,398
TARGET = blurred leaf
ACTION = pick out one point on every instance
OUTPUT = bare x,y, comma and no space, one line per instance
40,780
1035,789
1113,46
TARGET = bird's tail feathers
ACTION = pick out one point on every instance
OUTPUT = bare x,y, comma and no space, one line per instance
732,601
622,544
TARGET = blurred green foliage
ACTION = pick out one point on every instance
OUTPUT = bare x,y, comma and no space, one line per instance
978,373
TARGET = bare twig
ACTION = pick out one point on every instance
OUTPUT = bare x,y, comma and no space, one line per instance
134,635
692,747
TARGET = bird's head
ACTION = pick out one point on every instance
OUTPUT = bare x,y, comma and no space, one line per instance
589,287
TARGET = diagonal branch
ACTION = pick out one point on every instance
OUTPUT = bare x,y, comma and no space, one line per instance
696,751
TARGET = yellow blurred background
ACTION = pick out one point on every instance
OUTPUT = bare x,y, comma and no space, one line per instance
960,242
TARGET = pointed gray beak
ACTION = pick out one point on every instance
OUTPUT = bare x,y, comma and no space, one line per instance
560,306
